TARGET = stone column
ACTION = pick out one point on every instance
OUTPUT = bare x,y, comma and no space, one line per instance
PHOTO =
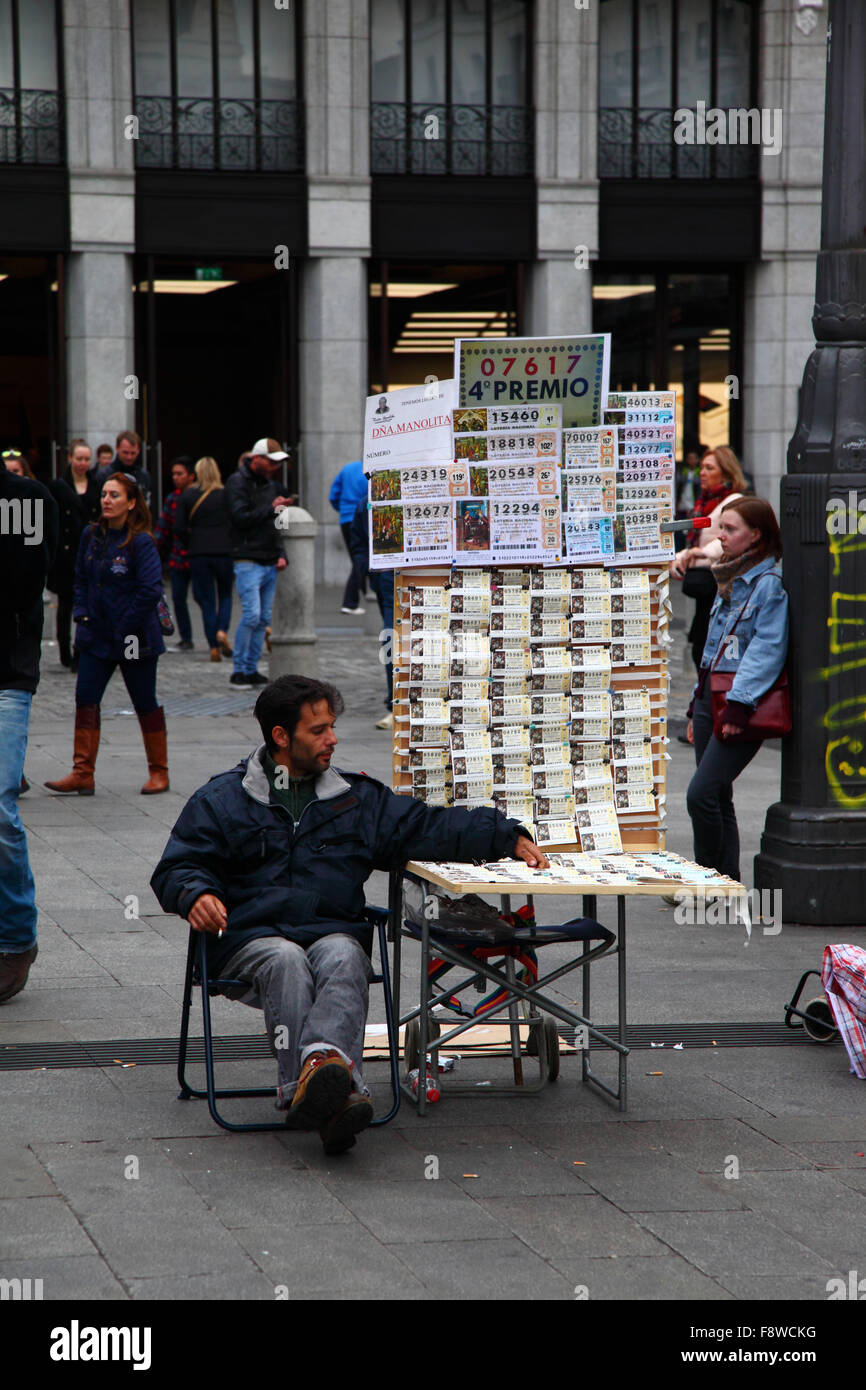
780,287
99,313
559,292
333,330
293,636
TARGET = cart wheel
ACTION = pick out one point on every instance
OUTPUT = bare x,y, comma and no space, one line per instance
551,1042
412,1041
821,1025
532,1040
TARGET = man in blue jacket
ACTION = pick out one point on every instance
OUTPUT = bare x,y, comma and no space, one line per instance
271,859
347,490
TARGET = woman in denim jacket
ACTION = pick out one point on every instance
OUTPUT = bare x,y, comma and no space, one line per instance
749,622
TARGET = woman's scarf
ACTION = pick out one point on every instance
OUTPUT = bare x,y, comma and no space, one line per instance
707,503
726,571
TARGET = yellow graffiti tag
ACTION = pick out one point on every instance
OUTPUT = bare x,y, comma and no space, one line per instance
836,622
851,802
840,545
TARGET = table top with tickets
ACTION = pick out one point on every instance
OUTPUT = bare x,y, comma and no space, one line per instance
654,873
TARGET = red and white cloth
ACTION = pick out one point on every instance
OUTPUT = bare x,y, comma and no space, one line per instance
843,974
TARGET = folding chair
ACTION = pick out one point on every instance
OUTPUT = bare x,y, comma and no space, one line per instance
440,954
197,976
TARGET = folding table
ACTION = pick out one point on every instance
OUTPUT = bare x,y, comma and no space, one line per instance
502,880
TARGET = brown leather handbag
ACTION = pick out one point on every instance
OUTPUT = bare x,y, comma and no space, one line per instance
771,717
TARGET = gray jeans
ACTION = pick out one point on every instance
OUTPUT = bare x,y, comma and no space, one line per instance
312,999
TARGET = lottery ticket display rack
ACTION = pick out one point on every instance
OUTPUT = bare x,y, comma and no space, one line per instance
640,806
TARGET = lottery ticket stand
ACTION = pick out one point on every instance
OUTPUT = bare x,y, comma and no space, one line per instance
531,632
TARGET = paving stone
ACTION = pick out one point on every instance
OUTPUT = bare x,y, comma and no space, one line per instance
789,1287
230,1153
330,1260
35,1226
241,1285
492,1269
817,1208
738,1242
665,1184
707,1145
561,1228
130,1179
154,1244
21,1173
435,1211
289,1196
68,1278
833,1153
668,1278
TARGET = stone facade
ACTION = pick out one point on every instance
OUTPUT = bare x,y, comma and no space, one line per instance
99,308
334,305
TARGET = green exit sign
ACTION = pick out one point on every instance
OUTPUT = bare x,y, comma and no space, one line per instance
208,272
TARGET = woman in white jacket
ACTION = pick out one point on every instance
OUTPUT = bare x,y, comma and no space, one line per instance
722,481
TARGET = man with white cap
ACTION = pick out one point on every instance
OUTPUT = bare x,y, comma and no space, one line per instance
255,501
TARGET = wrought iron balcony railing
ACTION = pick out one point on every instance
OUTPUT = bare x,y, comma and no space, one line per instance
439,139
228,134
639,144
31,126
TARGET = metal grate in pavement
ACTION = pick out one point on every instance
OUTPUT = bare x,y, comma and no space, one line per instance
245,1047
691,1035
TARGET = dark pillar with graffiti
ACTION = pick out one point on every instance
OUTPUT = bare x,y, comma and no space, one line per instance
814,842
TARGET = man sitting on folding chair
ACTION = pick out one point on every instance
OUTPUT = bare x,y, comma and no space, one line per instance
270,859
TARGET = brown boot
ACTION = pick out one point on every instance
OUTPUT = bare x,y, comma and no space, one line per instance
215,654
85,748
323,1088
153,732
14,969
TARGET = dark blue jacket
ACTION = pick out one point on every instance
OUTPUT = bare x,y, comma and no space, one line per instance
23,567
305,879
117,588
359,545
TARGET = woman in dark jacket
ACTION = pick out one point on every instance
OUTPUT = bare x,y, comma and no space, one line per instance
77,496
118,584
203,526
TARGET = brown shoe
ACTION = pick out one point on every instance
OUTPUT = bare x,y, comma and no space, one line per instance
14,969
215,654
268,639
323,1088
223,643
153,733
85,748
338,1134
